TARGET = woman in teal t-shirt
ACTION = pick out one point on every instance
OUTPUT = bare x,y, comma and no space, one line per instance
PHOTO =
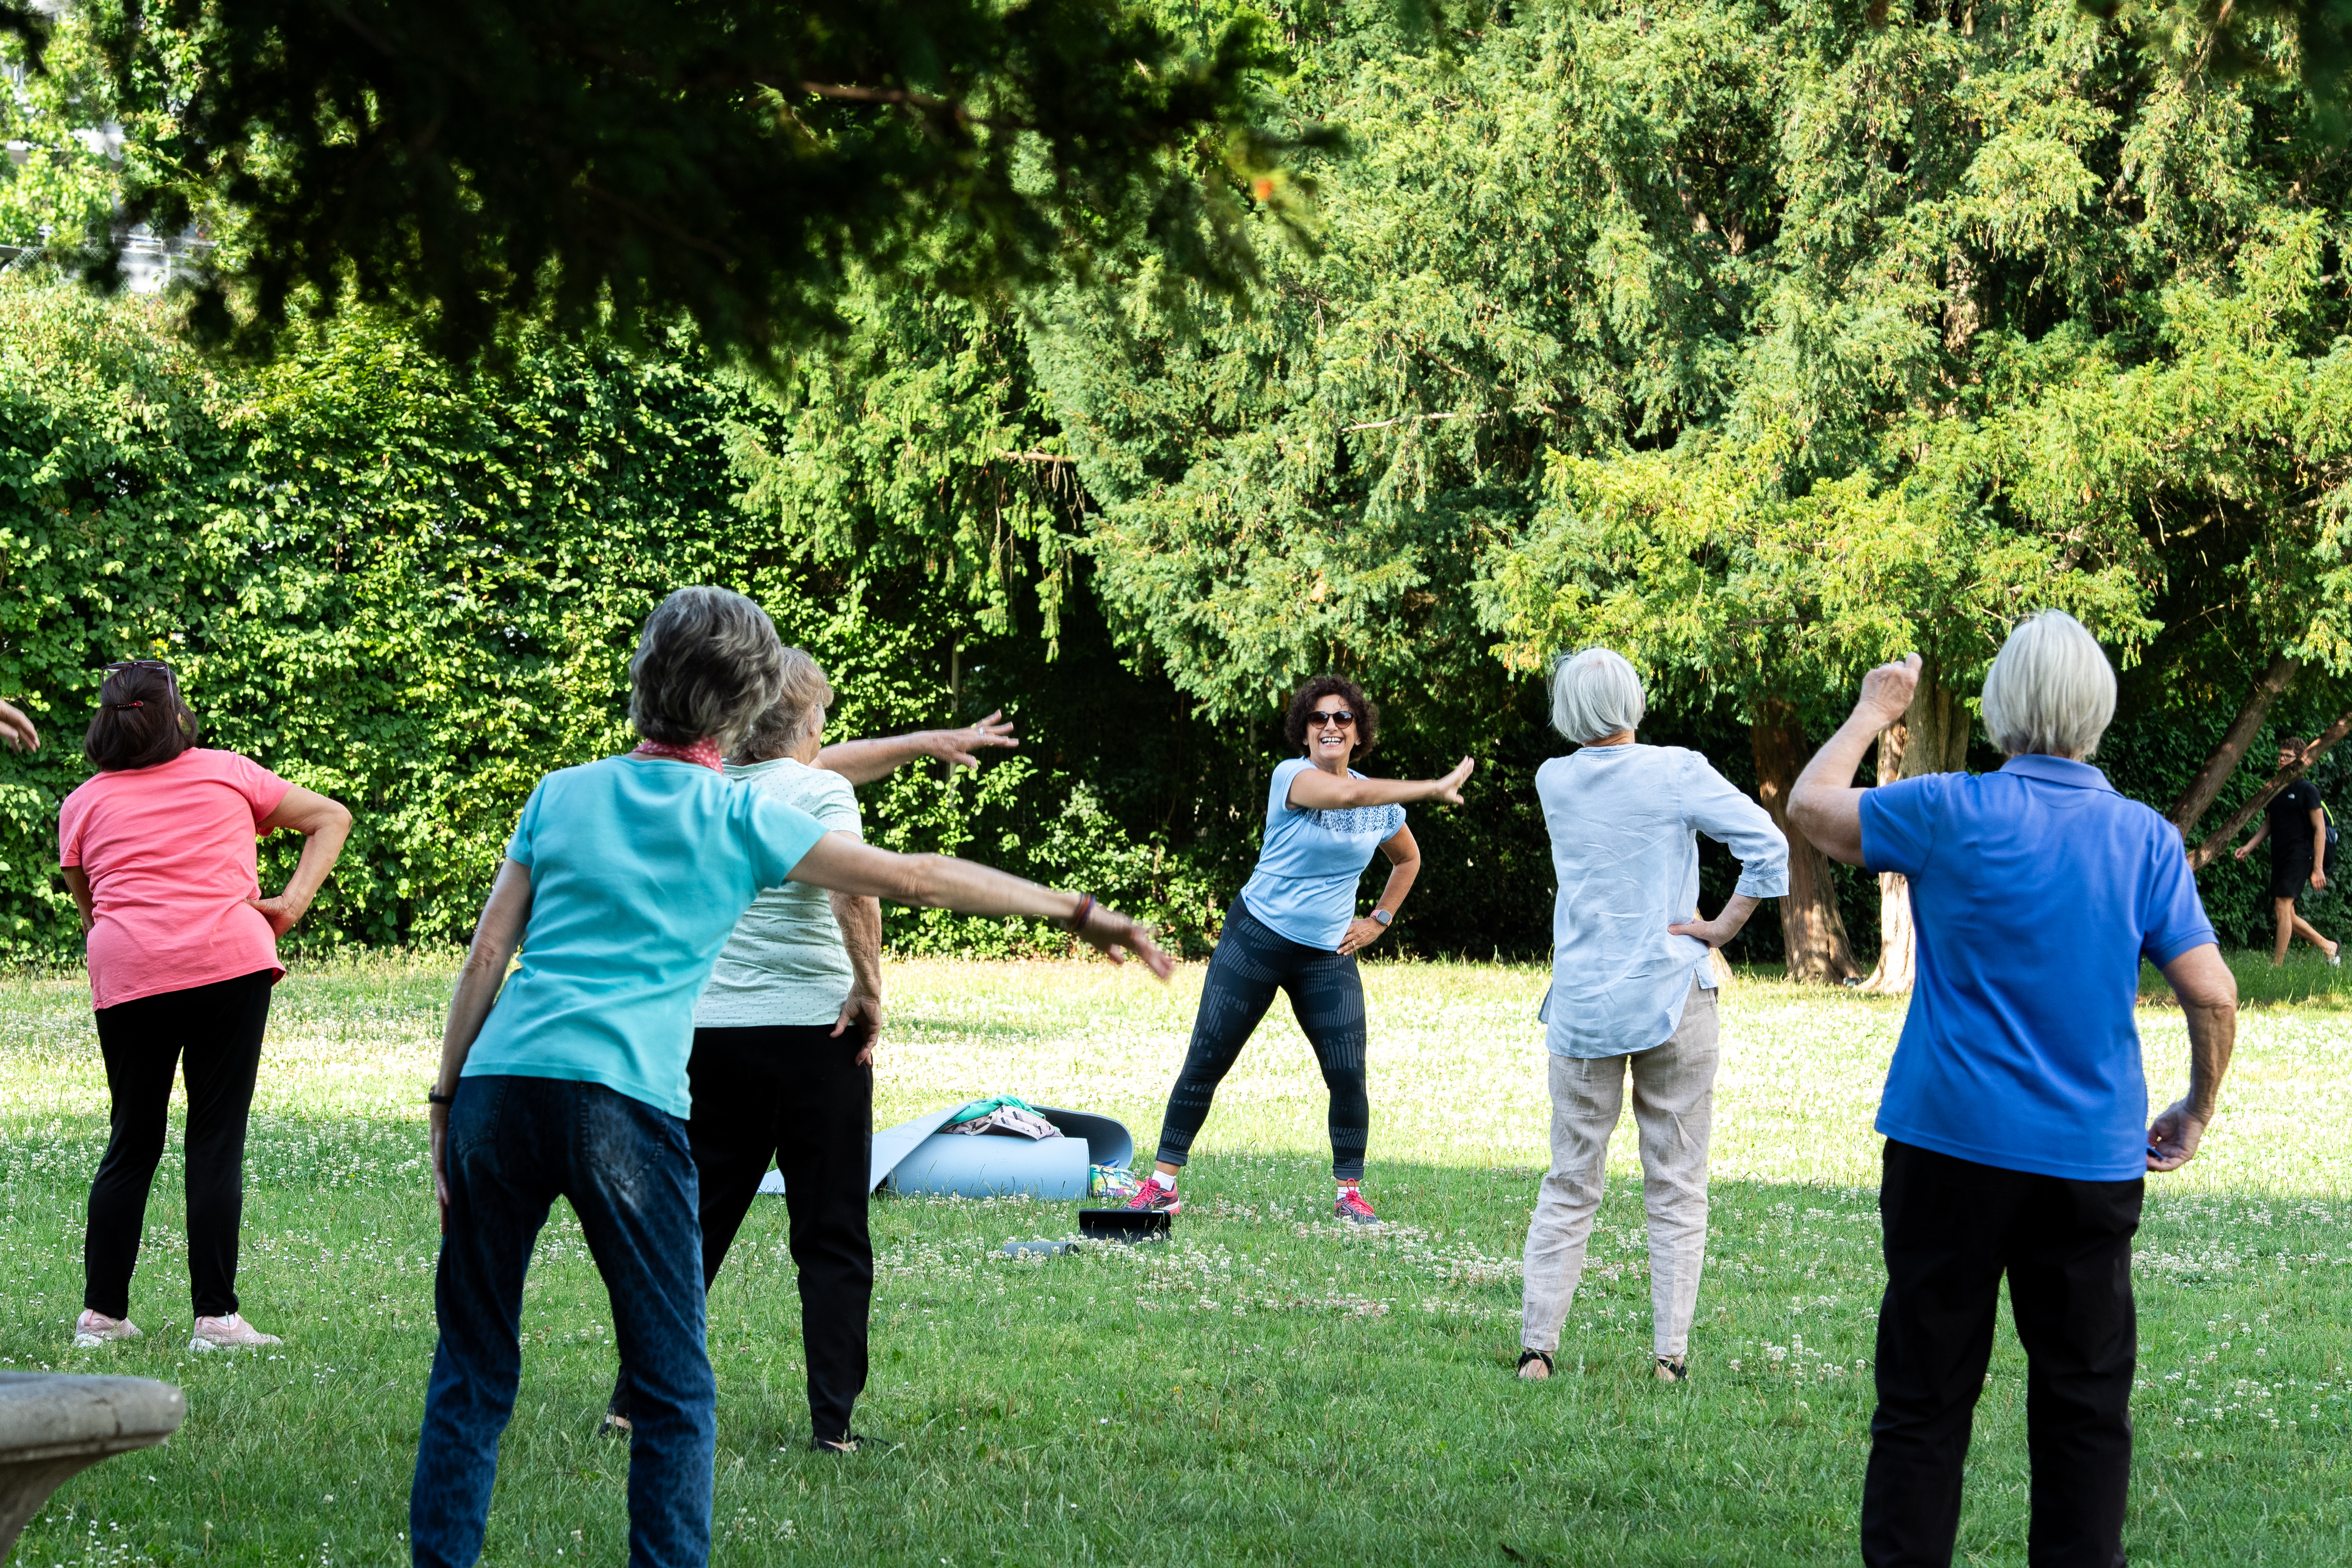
1295,929
568,1077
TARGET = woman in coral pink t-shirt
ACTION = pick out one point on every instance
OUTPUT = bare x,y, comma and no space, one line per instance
157,852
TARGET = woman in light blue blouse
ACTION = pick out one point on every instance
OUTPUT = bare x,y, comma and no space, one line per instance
1631,993
1295,929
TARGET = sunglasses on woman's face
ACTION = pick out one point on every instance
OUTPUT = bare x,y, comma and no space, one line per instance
1340,719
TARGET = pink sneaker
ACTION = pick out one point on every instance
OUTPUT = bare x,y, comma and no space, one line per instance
1350,1206
229,1333
94,1329
1153,1198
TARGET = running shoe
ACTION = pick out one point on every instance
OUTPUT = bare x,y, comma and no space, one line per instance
93,1329
1153,1198
1350,1206
229,1333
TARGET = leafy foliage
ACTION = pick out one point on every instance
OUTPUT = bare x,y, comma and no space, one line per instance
483,165
416,590
1764,340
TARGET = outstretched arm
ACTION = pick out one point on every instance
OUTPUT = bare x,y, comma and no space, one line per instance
863,762
840,864
1824,805
1314,790
17,730
2208,997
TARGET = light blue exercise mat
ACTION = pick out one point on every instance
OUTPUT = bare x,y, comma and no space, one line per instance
917,1157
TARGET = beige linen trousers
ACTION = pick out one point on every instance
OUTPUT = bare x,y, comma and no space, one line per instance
1673,1106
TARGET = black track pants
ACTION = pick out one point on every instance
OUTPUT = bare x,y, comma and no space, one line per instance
212,1034
1327,996
1953,1228
794,1096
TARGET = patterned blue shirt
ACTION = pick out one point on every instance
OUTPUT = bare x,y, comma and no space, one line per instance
1304,885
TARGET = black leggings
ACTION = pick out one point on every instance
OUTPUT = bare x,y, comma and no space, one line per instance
1327,996
212,1033
794,1095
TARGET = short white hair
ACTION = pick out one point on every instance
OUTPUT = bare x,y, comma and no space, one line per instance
2050,690
1594,695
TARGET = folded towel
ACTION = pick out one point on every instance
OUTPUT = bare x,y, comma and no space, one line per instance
1011,1118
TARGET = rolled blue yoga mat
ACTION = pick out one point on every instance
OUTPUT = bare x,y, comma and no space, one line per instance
917,1157
990,1165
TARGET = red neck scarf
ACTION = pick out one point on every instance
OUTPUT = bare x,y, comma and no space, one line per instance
702,753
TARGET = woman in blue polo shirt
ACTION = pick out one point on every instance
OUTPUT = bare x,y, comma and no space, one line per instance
620,887
2018,1139
1295,929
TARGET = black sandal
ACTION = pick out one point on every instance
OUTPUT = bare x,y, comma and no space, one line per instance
847,1443
1672,1369
1543,1356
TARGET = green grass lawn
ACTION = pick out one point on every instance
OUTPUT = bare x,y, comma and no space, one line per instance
1271,1387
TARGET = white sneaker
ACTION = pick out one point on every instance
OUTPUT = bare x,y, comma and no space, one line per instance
93,1329
229,1333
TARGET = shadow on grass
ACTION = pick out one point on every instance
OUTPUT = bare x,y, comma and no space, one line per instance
1269,1387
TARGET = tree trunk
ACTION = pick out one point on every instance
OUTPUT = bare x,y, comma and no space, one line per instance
2235,740
1932,739
1812,929
1892,976
2219,840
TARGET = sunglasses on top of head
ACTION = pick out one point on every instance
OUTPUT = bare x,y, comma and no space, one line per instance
1323,720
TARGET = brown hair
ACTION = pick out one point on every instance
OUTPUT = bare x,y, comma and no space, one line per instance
141,721
1368,717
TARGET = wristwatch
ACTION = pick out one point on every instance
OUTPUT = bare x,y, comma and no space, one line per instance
1382,916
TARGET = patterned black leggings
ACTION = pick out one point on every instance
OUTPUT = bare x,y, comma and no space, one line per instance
1327,996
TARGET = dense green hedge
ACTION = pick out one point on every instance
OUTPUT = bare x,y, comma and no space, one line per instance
417,591
418,594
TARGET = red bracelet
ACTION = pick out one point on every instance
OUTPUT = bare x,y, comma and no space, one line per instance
1076,924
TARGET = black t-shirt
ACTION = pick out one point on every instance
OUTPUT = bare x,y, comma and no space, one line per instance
2290,813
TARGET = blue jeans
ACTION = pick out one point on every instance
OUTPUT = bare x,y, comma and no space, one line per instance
514,1144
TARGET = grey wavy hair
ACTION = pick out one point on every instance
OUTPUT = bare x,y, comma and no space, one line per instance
806,693
1594,695
708,663
2051,688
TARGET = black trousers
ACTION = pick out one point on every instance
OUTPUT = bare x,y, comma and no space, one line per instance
1952,1228
212,1035
1327,996
794,1096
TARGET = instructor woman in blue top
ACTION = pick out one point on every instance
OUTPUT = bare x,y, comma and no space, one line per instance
1295,929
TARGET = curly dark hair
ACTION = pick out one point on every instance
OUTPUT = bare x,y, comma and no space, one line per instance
1368,715
141,719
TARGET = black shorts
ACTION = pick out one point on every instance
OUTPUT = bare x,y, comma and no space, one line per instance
2290,874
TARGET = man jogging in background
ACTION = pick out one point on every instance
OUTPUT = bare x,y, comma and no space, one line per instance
2296,827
